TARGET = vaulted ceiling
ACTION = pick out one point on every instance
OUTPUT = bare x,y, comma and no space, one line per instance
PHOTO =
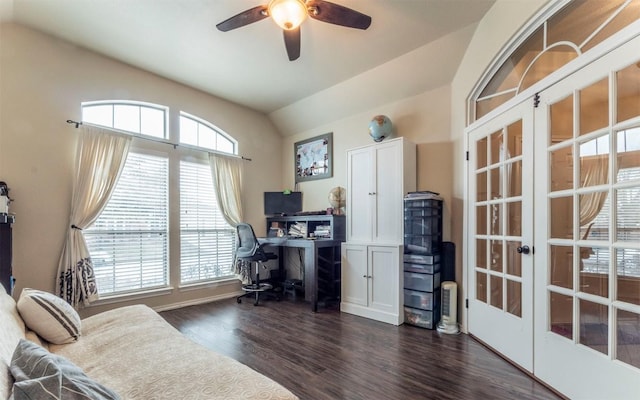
412,46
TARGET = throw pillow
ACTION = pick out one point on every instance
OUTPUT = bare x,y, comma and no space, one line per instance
39,374
49,316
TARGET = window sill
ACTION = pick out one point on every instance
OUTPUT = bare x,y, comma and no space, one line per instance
208,284
122,297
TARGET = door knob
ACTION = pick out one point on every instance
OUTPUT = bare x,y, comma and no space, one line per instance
523,249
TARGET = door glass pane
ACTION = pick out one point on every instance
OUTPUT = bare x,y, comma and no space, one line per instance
628,276
628,214
514,259
561,217
628,92
594,326
594,260
561,124
594,271
514,139
561,168
628,348
496,219
594,106
481,287
496,182
514,179
481,220
514,218
496,291
561,314
561,268
496,255
481,253
514,298
481,153
592,206
594,162
497,147
481,186
628,15
628,149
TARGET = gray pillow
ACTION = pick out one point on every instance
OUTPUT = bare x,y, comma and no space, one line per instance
39,374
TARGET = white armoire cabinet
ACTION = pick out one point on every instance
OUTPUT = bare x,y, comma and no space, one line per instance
378,177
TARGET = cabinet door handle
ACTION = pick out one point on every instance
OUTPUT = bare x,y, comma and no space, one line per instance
364,276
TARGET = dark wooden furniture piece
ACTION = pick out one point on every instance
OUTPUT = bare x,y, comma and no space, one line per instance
6,273
321,251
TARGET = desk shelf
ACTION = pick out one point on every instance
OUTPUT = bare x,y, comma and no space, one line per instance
310,225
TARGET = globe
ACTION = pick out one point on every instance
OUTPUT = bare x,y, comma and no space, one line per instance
380,128
338,199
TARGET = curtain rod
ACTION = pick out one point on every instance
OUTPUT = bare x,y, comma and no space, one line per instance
78,123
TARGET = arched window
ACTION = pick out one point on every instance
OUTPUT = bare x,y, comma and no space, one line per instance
128,116
130,242
567,31
198,132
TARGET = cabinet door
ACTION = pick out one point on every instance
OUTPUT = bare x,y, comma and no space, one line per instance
354,274
359,194
387,193
383,278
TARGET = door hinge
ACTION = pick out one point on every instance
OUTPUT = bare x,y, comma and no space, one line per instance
467,156
536,100
466,303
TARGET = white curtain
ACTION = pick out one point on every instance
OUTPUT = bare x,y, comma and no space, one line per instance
100,157
227,181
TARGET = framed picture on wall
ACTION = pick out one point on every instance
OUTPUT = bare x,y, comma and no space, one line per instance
313,158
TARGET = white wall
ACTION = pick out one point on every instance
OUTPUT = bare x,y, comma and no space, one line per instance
42,83
421,119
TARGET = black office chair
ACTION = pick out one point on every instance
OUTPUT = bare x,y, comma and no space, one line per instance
250,250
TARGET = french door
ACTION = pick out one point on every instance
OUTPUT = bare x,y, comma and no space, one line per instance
587,230
500,247
554,231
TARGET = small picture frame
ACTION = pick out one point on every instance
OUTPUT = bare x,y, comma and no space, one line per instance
313,158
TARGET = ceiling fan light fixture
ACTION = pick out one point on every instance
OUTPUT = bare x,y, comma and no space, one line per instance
288,14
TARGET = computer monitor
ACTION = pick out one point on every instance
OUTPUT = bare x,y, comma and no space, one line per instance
280,203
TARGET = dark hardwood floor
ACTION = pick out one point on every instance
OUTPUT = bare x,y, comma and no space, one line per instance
333,355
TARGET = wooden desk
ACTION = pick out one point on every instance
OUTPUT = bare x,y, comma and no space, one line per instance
312,256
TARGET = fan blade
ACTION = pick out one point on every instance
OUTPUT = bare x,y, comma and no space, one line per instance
336,14
292,43
247,17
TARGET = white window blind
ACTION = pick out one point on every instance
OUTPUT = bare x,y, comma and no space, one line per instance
129,241
207,242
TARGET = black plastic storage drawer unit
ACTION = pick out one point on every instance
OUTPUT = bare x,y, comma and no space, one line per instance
422,246
422,225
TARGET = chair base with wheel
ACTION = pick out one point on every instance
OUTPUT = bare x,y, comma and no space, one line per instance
250,250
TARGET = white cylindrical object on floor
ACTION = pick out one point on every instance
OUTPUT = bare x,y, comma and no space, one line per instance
449,312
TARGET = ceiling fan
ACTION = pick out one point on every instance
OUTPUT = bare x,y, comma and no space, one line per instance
289,14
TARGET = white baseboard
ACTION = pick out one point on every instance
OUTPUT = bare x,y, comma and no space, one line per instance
197,301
